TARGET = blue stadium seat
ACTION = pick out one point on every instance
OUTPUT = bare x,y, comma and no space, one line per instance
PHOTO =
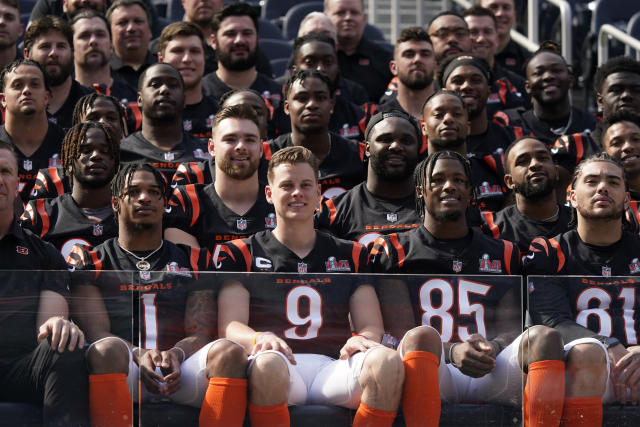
372,33
26,6
274,9
268,30
20,414
295,15
175,11
275,49
279,66
633,29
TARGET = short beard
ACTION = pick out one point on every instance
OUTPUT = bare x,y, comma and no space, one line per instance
377,164
142,226
241,64
61,77
443,144
91,183
239,174
602,217
535,192
417,84
447,216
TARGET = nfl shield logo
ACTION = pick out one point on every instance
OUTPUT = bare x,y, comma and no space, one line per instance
241,224
302,267
97,229
145,275
457,266
27,165
606,271
391,217
169,156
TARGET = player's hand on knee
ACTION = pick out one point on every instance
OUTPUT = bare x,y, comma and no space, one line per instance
474,357
356,344
270,341
153,381
63,333
626,376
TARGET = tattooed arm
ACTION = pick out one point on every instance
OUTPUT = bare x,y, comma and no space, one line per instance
200,321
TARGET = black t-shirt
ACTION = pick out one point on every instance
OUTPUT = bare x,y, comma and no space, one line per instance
418,251
270,90
63,117
352,91
198,210
510,224
20,291
197,119
127,73
62,223
369,66
136,148
494,140
341,170
47,155
362,217
146,307
279,301
569,303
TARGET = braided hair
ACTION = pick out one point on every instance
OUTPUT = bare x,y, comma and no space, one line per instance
125,175
424,171
85,103
77,135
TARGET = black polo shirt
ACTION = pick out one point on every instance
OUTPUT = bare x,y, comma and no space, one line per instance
197,118
20,292
63,117
127,73
270,90
47,155
369,66
119,89
513,57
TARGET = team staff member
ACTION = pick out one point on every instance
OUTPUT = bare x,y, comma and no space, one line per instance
234,205
276,374
385,203
25,95
50,372
175,339
532,176
162,140
597,246
309,101
91,156
491,362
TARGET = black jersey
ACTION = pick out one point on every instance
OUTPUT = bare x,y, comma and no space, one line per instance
136,148
47,155
278,300
270,90
197,119
602,305
50,183
513,57
418,251
198,210
487,176
128,74
503,95
62,223
362,217
569,150
632,214
155,299
346,119
494,141
369,66
510,224
63,117
119,89
342,169
20,290
580,121
517,81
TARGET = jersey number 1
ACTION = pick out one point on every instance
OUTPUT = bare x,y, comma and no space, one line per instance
628,297
150,316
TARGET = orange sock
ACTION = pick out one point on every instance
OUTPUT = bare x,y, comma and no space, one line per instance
269,416
582,411
224,403
421,393
544,393
110,401
367,416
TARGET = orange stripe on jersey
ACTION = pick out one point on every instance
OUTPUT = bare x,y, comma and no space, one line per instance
266,150
488,216
425,145
136,114
28,214
199,173
502,91
491,162
56,180
193,258
355,256
579,147
44,216
508,250
332,210
394,241
556,245
76,250
518,132
242,246
633,207
501,118
363,148
379,241
542,243
195,204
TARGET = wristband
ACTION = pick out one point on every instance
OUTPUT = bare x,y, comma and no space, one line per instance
451,354
184,355
363,336
255,337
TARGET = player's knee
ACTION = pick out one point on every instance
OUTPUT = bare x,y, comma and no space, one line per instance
422,338
226,359
268,380
586,355
543,343
68,361
382,368
108,356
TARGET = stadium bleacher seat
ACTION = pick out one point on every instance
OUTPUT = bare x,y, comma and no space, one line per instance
633,29
20,414
279,66
295,15
268,30
275,49
26,6
275,9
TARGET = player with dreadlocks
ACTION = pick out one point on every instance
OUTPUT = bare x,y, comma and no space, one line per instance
596,245
54,181
178,340
490,364
90,158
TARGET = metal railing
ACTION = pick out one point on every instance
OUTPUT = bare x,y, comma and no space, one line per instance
608,31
